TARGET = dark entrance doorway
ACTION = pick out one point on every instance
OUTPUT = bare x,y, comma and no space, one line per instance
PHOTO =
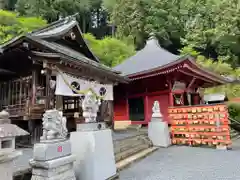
136,109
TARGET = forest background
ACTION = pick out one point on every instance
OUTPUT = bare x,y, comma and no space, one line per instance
209,30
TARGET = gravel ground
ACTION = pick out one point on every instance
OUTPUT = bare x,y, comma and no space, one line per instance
174,163
186,163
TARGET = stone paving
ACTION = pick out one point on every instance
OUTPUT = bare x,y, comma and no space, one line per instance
186,163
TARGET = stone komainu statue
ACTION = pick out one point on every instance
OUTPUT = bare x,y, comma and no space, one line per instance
90,106
54,125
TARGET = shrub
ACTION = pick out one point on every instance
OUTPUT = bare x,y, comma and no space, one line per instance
234,111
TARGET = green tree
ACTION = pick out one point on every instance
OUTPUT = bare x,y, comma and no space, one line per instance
219,67
129,17
109,4
110,51
51,10
12,25
215,29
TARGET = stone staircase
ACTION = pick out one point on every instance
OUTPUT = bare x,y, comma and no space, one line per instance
234,128
234,134
128,146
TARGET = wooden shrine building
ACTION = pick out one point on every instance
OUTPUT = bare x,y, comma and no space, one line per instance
28,67
156,74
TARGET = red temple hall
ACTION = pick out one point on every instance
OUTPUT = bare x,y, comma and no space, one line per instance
156,74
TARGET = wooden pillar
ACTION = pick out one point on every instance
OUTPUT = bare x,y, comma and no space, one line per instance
111,112
59,103
34,85
5,93
1,95
127,108
20,91
146,110
171,99
48,90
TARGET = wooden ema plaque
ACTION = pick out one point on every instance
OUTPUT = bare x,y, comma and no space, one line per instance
205,125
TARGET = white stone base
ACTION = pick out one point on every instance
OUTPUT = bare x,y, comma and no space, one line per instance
49,151
57,169
94,154
6,164
158,133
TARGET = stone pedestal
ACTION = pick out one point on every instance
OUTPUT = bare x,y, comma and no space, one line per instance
7,157
52,160
94,153
158,133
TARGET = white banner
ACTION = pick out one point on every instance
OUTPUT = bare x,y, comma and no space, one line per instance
64,83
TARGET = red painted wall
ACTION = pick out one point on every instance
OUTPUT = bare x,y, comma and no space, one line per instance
121,110
150,89
121,107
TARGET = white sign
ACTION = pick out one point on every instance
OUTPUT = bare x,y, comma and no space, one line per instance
66,84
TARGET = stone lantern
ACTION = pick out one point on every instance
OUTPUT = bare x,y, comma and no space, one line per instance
8,132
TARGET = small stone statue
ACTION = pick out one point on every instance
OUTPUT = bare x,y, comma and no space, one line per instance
4,117
156,110
54,125
90,107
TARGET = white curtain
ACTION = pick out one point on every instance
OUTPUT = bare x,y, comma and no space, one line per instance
63,89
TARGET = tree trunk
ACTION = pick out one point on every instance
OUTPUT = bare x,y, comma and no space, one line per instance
83,23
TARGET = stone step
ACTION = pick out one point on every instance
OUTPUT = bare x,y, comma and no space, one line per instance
129,140
234,134
131,145
130,152
131,159
124,147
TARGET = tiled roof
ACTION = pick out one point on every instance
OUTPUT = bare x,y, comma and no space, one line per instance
150,57
48,36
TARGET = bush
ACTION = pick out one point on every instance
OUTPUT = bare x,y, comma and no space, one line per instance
12,25
110,51
234,111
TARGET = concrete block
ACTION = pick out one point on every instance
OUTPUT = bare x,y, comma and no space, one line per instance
158,133
94,154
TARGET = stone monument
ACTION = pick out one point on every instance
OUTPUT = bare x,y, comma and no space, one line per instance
93,145
158,131
8,132
52,157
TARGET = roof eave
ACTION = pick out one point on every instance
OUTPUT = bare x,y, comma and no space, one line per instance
56,34
180,60
210,74
86,62
96,59
114,76
11,43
